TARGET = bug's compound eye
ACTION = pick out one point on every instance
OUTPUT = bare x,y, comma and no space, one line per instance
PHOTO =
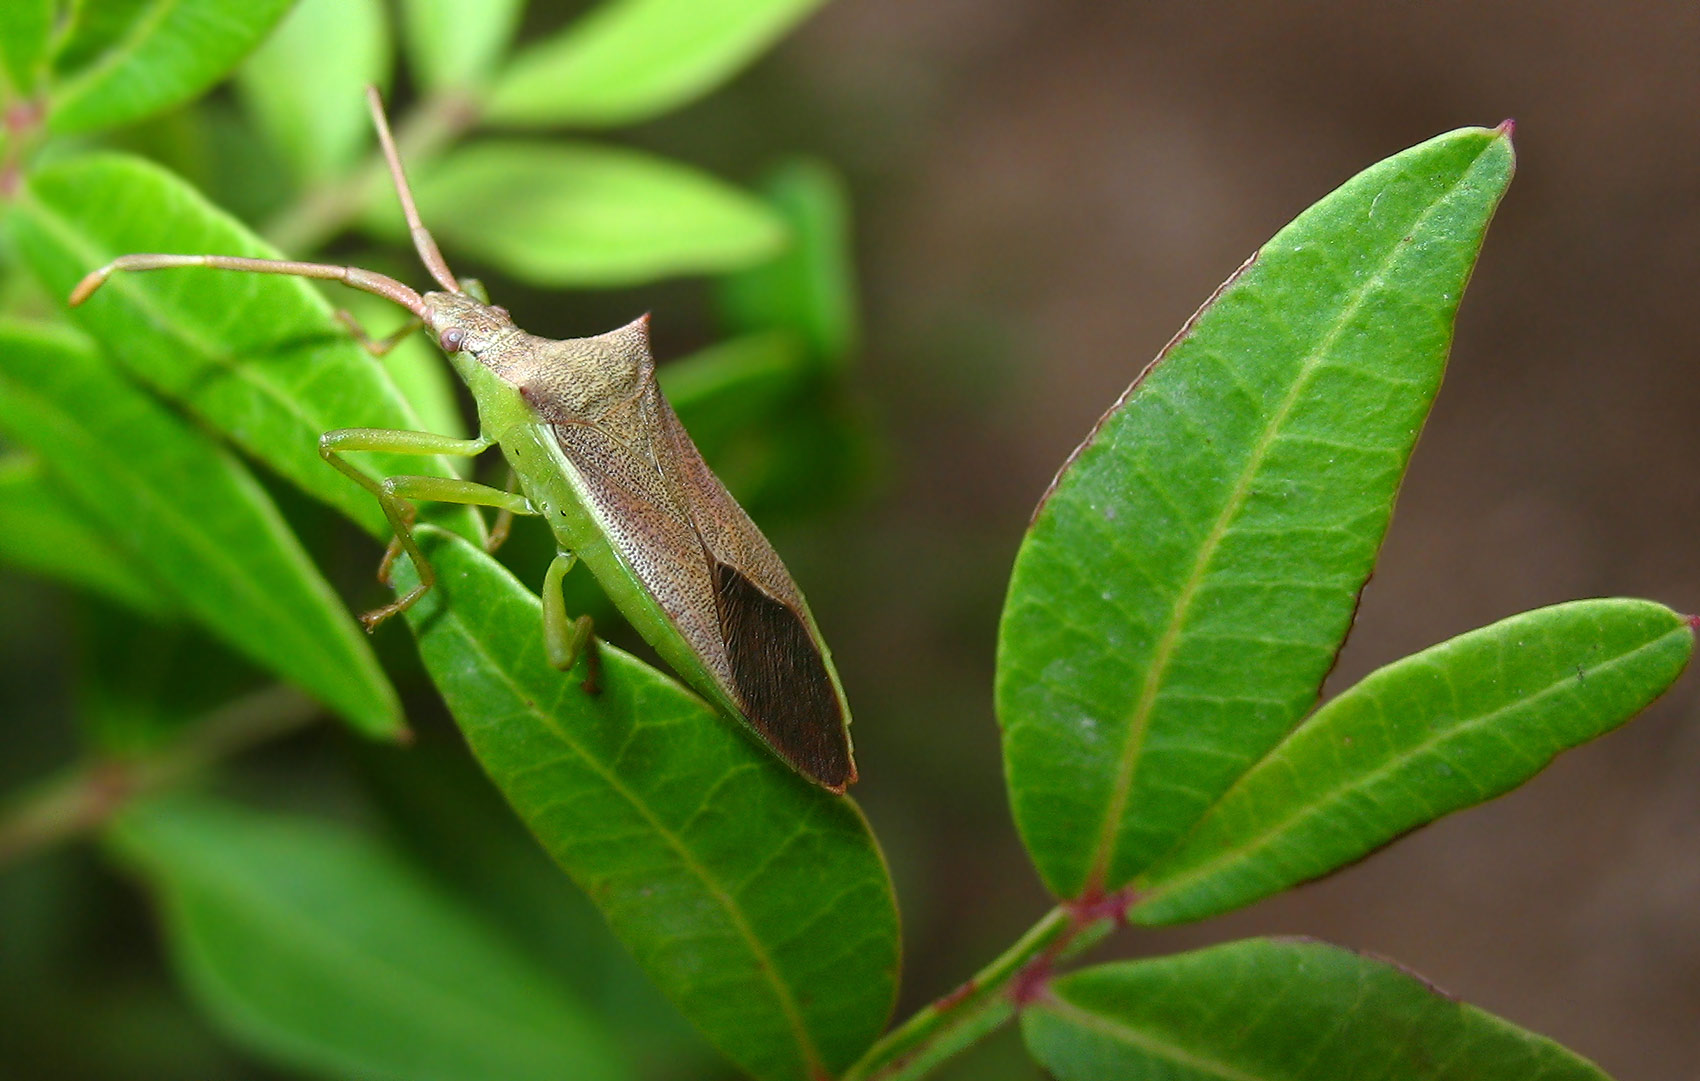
452,339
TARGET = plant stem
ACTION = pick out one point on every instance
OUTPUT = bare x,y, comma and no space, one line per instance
993,995
85,796
328,208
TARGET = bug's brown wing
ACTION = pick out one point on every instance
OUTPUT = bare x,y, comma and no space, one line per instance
775,655
718,579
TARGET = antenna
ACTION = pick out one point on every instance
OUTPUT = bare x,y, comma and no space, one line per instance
366,280
423,242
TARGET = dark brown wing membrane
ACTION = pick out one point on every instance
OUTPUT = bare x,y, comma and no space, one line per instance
708,566
787,692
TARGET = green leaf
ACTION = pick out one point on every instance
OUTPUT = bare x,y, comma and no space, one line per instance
1277,1010
153,55
810,289
441,808
307,84
258,357
457,44
43,531
756,901
191,516
24,36
630,60
142,687
1448,728
581,214
319,949
1190,575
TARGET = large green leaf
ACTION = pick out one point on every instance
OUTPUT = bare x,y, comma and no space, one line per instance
259,357
191,516
810,289
756,901
1452,726
1277,1010
581,214
150,56
42,530
307,83
445,813
24,36
1189,577
629,60
318,948
457,43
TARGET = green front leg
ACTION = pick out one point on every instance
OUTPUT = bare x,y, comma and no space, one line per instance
396,495
565,638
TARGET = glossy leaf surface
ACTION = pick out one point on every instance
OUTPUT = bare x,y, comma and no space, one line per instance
1450,727
629,60
1277,1010
43,531
136,59
191,516
320,949
307,84
580,214
457,43
258,357
1189,577
757,902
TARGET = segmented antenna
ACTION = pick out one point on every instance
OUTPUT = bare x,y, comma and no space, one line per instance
423,241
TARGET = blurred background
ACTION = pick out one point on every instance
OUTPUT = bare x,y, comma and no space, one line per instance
1042,191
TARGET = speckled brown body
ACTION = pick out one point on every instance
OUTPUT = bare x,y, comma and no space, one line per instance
641,508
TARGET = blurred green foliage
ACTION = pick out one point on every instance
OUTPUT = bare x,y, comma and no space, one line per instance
340,907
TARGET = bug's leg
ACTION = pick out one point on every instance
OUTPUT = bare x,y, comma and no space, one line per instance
396,495
566,638
376,346
504,523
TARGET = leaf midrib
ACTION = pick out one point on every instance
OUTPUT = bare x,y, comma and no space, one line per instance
1251,846
211,554
121,52
1098,864
1167,1052
166,323
781,990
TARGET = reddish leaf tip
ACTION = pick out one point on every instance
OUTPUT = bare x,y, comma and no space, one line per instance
1507,127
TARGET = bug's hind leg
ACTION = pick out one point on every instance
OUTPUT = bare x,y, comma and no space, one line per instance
397,496
565,638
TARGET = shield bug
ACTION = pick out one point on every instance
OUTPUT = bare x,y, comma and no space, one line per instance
598,452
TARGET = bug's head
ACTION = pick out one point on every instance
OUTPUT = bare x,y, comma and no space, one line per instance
464,324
